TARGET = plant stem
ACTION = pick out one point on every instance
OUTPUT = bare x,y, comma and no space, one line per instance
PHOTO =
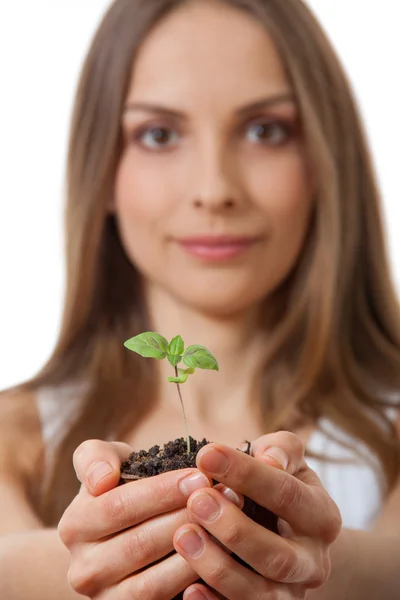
183,411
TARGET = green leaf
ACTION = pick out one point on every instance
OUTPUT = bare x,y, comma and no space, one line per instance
181,379
189,371
149,345
176,346
174,359
199,357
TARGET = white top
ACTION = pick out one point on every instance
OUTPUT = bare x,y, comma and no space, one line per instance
355,485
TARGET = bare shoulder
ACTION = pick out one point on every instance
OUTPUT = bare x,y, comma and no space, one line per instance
21,444
21,462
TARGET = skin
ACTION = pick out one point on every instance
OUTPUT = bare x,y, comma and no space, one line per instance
113,532
219,171
210,157
214,173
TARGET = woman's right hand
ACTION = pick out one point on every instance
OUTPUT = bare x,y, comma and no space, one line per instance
116,534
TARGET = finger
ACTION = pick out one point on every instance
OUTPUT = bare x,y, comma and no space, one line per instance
270,555
101,565
283,450
164,580
219,570
230,495
308,509
91,518
201,592
98,464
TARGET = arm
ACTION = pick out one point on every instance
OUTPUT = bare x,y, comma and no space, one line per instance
34,565
33,560
366,564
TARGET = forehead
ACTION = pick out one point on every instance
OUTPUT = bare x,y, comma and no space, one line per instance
207,51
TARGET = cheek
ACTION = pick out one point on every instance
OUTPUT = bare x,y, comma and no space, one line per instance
284,191
139,195
141,207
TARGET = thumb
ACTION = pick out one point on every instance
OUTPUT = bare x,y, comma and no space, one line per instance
97,464
282,449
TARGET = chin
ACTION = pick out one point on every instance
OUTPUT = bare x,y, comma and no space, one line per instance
221,302
217,293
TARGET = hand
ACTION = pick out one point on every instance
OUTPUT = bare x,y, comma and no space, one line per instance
115,533
284,566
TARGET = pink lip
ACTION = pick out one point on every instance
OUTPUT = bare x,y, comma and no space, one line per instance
217,248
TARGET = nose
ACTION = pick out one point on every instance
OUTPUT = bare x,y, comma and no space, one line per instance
216,187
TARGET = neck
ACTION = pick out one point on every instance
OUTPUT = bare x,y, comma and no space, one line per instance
237,342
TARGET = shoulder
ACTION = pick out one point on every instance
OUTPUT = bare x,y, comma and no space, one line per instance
21,444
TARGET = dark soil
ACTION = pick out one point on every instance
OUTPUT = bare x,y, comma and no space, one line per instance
172,456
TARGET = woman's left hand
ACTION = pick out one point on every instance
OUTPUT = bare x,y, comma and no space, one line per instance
285,565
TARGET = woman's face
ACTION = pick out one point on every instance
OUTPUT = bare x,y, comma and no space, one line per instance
213,193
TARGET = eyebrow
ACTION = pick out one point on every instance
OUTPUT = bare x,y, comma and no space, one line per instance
283,98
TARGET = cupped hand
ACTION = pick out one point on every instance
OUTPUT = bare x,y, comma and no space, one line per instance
118,536
282,566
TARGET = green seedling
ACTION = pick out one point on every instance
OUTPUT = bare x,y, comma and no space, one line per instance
154,345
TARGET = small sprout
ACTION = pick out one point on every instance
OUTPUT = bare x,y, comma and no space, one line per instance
153,345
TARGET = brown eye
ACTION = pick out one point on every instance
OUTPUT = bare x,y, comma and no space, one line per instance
271,133
157,137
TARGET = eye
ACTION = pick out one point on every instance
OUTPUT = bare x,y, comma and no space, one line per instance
271,133
156,138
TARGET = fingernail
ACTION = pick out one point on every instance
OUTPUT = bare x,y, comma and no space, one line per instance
205,507
231,496
190,542
193,482
195,595
277,458
97,472
214,461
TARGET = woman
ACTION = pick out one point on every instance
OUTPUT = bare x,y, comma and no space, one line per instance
219,187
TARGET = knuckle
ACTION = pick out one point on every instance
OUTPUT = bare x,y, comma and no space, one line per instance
164,492
288,493
328,519
284,566
82,576
139,548
218,575
242,472
146,587
67,529
233,535
269,592
114,506
334,524
322,572
162,489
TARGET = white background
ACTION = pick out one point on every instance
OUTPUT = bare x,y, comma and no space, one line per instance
42,45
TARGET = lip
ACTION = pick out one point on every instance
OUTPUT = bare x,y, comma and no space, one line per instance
217,248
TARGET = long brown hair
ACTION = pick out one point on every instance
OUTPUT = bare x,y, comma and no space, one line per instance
335,350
